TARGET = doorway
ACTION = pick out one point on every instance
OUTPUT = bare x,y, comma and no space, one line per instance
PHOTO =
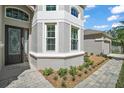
16,45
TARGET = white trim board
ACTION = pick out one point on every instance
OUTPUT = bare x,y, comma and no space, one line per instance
56,55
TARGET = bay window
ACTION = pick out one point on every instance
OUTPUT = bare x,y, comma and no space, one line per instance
50,37
74,38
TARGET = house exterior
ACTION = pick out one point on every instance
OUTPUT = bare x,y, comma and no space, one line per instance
97,42
43,35
57,36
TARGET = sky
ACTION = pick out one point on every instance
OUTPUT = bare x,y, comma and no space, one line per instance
103,17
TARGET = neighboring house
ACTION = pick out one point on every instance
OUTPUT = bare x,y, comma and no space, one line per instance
44,36
97,42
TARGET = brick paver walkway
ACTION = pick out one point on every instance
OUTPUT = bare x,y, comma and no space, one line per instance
30,79
104,77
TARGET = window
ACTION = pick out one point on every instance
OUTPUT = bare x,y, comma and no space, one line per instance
74,12
74,38
50,7
17,14
50,37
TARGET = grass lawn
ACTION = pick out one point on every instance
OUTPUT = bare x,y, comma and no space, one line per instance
120,81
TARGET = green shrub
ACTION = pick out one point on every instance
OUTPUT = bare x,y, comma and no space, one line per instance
79,74
47,71
103,55
86,65
86,53
73,78
64,78
90,62
85,71
73,70
90,69
86,59
63,85
91,53
55,78
62,72
81,67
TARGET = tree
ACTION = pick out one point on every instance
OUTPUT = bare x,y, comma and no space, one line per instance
118,38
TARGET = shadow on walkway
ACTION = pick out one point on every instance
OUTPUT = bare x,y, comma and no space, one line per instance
10,73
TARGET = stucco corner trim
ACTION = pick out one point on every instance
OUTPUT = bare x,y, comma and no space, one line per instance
56,55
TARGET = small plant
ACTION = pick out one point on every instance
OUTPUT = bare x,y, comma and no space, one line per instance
110,57
90,69
63,85
93,66
86,59
86,65
79,74
47,71
65,78
55,78
86,53
62,72
85,71
81,67
73,78
98,55
73,70
90,62
91,54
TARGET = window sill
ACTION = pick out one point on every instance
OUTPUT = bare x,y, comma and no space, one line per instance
56,55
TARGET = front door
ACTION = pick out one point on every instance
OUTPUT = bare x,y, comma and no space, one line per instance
13,45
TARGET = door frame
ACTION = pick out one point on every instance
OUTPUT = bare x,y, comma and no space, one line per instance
6,43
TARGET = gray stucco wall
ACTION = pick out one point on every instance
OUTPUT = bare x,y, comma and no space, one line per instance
64,7
92,46
36,38
106,47
64,37
56,63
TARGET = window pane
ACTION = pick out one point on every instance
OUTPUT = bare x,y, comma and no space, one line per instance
50,39
74,38
50,34
9,12
17,14
74,12
50,7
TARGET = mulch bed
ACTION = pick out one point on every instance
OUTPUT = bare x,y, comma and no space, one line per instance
69,82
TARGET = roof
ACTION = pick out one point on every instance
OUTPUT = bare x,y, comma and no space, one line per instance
92,32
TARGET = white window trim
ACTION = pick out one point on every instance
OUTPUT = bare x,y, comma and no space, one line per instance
45,36
79,37
15,18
